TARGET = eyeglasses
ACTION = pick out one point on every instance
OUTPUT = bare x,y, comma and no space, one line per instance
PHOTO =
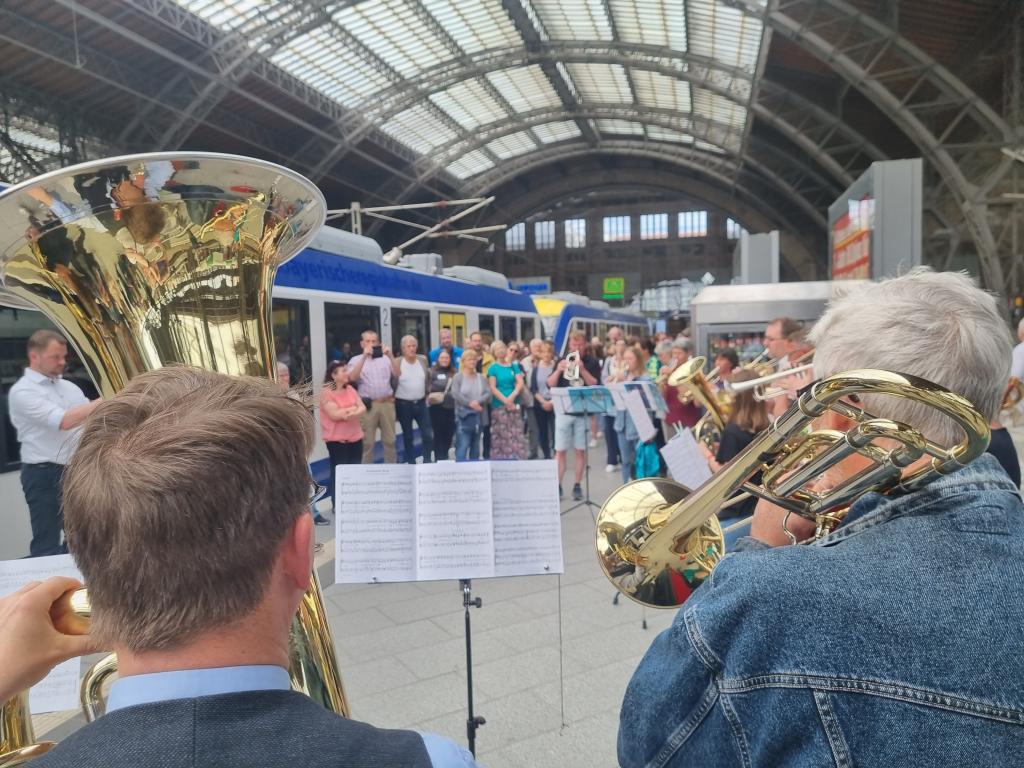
316,492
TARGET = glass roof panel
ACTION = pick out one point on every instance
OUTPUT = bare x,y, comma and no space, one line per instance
525,88
470,104
718,108
620,127
660,133
318,59
601,83
709,147
651,22
513,144
560,131
574,19
476,26
724,33
395,33
226,15
419,128
470,164
657,90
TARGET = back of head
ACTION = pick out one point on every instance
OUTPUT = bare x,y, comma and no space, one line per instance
176,501
935,325
748,413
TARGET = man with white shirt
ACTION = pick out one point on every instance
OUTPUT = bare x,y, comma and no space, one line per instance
193,488
48,413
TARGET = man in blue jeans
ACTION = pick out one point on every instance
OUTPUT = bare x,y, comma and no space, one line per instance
894,641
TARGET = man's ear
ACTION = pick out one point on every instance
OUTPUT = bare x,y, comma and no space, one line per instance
297,551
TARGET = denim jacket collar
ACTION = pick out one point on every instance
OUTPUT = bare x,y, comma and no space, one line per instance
984,475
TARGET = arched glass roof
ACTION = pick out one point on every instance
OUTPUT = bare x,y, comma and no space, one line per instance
470,85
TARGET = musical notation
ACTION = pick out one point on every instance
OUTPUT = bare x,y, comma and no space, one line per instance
447,521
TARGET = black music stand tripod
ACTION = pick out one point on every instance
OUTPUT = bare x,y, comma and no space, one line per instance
584,408
472,721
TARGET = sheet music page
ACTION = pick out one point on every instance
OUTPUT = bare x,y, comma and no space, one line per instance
375,517
454,525
655,398
686,462
560,399
57,691
527,522
638,412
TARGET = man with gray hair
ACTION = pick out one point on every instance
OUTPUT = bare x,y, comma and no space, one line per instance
891,641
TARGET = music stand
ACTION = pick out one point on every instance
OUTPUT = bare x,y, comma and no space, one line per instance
582,403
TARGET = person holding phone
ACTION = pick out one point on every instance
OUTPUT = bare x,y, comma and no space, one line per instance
371,372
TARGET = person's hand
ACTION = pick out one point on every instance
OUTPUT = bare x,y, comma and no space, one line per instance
475,406
30,645
767,525
708,455
547,405
562,365
511,406
386,350
795,382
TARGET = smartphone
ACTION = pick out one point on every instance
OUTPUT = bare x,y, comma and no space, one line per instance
378,351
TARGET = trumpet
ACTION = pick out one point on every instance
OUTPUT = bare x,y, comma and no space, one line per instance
657,540
761,390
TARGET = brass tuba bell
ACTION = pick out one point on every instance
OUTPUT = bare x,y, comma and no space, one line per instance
148,260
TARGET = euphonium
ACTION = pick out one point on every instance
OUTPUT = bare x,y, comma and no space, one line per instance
689,377
154,259
657,541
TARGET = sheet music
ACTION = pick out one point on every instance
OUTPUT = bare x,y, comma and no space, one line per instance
527,522
375,512
560,399
686,462
638,412
656,400
58,690
454,528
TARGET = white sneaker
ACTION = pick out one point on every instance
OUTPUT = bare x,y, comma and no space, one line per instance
593,443
599,435
610,468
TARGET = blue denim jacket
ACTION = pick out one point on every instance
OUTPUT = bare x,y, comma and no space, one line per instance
896,641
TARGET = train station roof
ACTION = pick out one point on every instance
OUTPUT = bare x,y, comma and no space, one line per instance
780,104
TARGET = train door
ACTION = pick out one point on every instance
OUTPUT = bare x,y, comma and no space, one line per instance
456,322
528,329
344,325
486,327
507,329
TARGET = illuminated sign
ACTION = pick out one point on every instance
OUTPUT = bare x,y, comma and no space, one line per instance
851,240
613,288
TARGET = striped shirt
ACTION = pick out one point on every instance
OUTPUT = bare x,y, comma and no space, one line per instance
374,380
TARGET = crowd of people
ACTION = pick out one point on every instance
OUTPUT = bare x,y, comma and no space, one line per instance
878,642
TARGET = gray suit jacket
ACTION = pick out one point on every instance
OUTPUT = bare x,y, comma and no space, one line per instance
256,729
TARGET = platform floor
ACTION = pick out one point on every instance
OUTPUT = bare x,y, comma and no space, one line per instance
551,655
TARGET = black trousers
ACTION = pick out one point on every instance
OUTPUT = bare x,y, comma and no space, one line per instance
443,421
545,429
343,453
41,484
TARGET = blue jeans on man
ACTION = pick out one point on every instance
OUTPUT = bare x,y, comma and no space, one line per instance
41,484
408,411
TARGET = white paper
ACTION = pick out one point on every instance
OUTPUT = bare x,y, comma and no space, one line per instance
454,527
376,536
527,522
58,691
638,412
559,399
685,460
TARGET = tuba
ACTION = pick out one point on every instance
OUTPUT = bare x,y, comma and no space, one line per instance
657,541
148,260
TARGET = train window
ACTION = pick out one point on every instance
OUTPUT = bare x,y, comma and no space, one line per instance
486,327
291,337
16,325
410,322
344,324
528,329
508,329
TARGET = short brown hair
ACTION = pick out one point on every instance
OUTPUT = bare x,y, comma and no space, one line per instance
177,498
790,329
41,339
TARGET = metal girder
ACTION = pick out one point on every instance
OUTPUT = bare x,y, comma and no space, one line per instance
723,170
718,134
199,72
920,96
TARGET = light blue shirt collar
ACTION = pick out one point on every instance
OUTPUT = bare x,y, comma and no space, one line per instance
193,683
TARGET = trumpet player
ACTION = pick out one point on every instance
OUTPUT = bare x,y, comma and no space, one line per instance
187,508
891,641
680,414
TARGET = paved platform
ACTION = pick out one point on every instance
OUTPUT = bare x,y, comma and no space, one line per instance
552,654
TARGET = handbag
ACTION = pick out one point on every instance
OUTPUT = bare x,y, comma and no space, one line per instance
525,395
469,422
436,398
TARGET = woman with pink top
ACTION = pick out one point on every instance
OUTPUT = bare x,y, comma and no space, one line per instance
340,407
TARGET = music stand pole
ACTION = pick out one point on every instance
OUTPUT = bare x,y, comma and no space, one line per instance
586,502
472,721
